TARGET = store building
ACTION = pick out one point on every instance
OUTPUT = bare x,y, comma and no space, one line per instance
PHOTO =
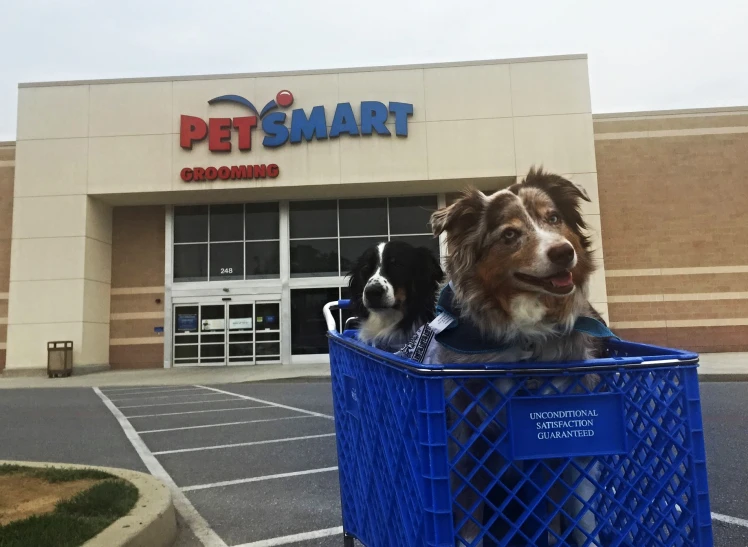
205,220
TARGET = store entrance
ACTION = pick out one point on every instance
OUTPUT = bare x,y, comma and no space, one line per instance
239,332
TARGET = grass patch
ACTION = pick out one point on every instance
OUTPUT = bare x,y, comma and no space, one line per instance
75,520
108,499
55,474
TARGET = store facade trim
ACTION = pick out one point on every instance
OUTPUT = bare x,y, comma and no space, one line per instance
202,220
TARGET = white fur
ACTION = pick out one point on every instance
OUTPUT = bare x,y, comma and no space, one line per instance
388,298
381,329
543,266
527,310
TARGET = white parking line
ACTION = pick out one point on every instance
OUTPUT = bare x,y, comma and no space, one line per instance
285,540
271,403
258,479
182,403
222,424
197,411
234,445
195,520
149,394
145,389
730,520
149,397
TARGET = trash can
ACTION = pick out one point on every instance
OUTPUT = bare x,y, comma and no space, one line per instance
59,358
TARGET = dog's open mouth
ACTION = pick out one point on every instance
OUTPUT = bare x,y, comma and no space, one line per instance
558,283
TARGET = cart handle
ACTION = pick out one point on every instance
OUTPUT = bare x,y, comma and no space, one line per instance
331,307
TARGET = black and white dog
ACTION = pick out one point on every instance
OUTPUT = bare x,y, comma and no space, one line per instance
393,292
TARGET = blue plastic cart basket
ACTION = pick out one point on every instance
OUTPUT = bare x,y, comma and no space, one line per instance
510,456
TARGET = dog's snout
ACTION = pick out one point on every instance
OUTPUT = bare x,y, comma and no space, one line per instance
561,255
374,293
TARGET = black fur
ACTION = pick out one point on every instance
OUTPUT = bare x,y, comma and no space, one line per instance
414,270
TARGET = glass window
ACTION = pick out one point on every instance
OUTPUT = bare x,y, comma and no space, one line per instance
263,259
230,227
314,257
262,221
310,219
268,317
410,215
363,217
191,224
351,249
226,222
430,242
317,252
308,328
185,321
191,262
226,261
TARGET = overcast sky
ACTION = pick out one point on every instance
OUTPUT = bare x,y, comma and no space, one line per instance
643,55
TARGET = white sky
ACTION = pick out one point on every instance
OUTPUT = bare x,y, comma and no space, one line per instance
643,55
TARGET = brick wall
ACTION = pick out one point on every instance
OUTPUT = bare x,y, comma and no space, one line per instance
673,200
137,300
7,175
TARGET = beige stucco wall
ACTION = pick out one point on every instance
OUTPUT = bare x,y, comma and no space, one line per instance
81,145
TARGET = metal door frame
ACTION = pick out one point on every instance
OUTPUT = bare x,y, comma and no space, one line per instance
252,300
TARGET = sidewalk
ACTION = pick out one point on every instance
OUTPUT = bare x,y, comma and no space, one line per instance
714,367
172,376
723,367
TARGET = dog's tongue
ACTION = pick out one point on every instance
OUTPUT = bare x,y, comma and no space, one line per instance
562,280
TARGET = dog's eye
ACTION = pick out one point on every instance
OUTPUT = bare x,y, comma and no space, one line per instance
554,218
509,235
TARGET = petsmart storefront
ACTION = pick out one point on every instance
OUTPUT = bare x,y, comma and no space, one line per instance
188,221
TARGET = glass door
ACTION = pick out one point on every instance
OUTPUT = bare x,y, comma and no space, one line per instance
213,334
241,333
186,349
233,333
267,332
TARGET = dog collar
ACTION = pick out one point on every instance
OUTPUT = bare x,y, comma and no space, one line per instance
463,336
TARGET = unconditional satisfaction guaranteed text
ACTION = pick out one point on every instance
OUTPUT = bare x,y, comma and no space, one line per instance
567,425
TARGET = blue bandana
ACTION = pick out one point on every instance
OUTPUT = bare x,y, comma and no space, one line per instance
462,336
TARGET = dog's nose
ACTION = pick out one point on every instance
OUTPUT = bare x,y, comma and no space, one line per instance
561,255
373,294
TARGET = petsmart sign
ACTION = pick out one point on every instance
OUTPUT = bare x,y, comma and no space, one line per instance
567,426
240,132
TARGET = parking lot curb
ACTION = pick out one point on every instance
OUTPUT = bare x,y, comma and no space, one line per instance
151,522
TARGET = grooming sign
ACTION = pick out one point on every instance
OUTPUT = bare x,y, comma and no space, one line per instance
566,426
278,128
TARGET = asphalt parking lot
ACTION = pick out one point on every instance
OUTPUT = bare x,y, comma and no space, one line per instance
254,465
260,470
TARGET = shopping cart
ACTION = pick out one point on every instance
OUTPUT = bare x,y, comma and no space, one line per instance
506,455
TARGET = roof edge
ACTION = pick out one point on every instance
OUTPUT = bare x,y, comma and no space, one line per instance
678,112
571,57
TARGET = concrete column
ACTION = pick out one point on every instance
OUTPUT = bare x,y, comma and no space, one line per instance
60,277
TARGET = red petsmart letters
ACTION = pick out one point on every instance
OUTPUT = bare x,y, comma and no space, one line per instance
219,137
243,128
191,129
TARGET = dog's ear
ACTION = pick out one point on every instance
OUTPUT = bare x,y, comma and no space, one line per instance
462,214
582,191
566,195
431,269
357,281
563,187
426,284
570,190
